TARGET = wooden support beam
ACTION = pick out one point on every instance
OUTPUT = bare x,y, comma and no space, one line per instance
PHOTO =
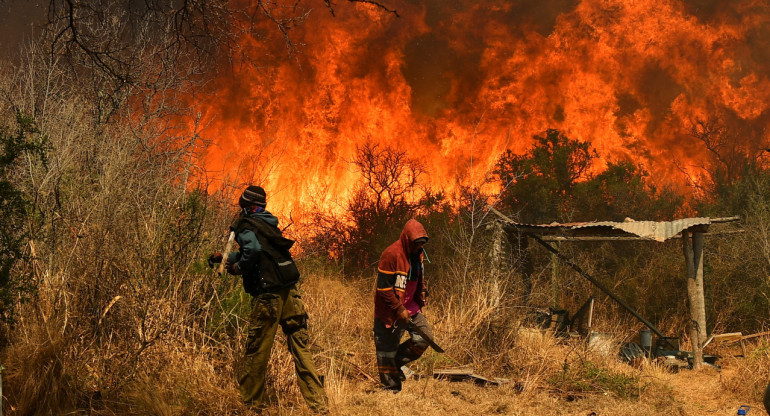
555,284
558,238
758,334
601,287
496,252
520,246
693,254
725,219
697,248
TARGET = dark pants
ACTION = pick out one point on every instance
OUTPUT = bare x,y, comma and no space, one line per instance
767,399
391,356
269,310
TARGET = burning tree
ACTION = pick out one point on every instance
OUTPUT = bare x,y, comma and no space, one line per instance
390,192
540,183
557,181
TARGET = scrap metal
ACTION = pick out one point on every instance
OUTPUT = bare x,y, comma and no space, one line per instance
609,293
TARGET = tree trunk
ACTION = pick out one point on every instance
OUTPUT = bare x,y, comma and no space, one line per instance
693,253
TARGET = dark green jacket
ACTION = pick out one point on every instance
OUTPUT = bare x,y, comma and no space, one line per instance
263,256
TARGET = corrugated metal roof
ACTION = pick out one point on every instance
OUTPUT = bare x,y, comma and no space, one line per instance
652,230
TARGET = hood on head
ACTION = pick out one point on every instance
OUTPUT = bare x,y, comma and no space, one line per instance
412,231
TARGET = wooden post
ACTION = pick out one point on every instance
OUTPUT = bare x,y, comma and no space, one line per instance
693,254
496,252
496,262
555,279
520,245
697,248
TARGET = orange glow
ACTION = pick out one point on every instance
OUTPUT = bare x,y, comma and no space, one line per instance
456,83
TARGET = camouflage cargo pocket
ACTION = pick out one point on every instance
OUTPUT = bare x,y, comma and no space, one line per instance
295,314
264,314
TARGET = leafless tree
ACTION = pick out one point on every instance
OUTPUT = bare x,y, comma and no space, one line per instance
732,152
390,177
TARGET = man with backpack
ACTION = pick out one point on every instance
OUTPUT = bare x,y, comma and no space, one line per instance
270,277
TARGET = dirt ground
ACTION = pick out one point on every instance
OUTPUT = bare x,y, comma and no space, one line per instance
686,393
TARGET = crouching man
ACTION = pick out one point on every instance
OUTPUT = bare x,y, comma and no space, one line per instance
398,300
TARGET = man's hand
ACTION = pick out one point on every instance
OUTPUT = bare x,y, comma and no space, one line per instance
402,315
233,268
213,259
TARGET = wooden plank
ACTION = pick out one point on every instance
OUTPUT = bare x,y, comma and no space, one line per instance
463,371
499,214
595,238
725,219
758,334
728,337
467,374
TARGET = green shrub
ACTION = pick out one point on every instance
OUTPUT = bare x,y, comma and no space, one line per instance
15,207
589,378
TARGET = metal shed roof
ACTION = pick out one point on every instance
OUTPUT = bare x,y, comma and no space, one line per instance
647,230
652,230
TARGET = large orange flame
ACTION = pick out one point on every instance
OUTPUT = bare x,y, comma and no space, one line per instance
455,83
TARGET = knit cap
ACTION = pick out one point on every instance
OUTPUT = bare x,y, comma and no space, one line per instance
253,195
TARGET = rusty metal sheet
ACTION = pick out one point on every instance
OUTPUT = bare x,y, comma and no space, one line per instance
653,230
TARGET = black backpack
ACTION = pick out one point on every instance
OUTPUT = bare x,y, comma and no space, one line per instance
277,269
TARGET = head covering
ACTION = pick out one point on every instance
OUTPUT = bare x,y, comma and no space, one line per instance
420,240
412,232
253,195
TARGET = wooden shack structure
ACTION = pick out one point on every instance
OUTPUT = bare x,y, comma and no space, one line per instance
690,230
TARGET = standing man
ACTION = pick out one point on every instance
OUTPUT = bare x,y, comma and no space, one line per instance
270,277
400,295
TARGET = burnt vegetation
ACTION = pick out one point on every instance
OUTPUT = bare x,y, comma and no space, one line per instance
106,306
389,193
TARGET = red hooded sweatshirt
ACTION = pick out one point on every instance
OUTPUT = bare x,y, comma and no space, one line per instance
393,272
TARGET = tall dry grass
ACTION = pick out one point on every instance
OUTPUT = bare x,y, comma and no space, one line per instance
175,349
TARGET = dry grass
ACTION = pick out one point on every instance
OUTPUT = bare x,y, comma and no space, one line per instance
748,376
185,373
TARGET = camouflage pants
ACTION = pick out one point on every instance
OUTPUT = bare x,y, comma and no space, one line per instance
284,308
391,356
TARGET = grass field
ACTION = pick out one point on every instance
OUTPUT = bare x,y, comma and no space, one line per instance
191,371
